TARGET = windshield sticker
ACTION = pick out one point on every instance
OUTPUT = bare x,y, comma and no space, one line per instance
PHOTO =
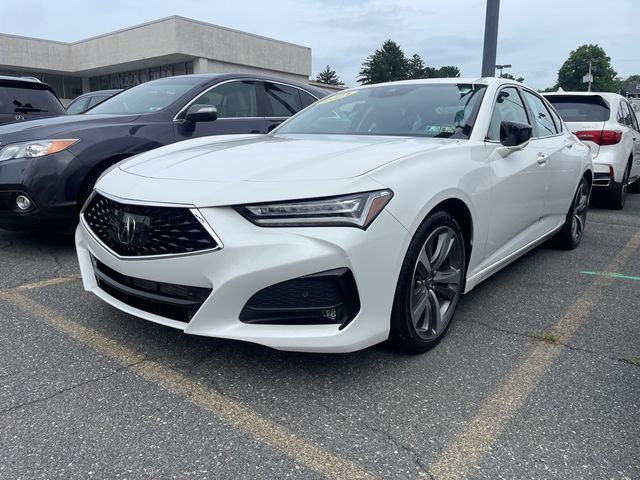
436,129
337,96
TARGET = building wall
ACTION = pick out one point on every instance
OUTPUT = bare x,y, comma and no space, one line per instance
163,42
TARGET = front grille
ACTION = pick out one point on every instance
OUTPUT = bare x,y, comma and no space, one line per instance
141,230
168,300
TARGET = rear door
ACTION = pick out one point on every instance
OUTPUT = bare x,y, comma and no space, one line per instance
562,168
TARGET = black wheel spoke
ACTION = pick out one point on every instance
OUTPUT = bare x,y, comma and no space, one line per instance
451,276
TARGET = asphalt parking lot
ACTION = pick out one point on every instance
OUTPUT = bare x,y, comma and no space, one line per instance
539,377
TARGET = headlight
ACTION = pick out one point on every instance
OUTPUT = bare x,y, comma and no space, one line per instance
35,148
357,210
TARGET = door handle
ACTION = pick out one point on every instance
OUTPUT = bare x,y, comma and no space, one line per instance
542,159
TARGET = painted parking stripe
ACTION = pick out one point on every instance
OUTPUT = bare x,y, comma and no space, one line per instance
47,283
466,450
611,275
272,434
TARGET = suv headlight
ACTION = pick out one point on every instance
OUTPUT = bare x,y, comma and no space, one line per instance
35,148
357,210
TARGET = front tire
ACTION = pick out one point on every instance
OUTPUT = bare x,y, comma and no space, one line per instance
430,284
571,233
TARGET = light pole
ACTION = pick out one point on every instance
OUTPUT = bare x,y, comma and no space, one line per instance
490,38
500,67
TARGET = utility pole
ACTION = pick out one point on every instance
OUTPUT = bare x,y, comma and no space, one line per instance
490,39
590,77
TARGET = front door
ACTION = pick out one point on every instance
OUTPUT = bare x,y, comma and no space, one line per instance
238,111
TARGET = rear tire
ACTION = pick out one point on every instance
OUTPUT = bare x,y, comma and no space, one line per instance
618,195
430,284
571,232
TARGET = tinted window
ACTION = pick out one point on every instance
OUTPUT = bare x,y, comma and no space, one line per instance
96,99
232,99
146,98
556,119
509,108
628,116
542,119
634,117
284,101
78,106
426,110
580,109
307,99
26,100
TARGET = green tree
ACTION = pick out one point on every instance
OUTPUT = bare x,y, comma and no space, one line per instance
448,71
329,77
577,66
416,67
511,77
385,65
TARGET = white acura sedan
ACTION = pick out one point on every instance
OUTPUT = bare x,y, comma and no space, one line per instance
363,218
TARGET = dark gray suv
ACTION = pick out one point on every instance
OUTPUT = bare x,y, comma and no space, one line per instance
27,98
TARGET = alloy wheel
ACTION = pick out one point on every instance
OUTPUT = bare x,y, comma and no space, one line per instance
580,211
437,280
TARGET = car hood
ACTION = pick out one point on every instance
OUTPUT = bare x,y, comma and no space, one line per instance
56,127
255,168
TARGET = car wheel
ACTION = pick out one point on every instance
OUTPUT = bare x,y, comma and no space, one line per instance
570,235
430,284
618,196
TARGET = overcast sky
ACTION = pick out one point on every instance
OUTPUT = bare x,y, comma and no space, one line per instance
535,36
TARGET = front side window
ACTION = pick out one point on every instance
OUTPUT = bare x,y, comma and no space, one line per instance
232,99
420,110
541,115
508,108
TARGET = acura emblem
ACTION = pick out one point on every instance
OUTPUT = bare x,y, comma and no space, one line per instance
19,117
127,229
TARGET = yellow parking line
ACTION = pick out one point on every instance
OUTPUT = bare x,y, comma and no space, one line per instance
467,448
233,413
47,283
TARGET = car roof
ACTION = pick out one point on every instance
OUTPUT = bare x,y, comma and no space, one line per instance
452,80
19,79
207,77
607,95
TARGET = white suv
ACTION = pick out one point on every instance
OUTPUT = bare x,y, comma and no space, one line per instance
608,124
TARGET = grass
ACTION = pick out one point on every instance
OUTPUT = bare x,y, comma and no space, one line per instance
550,338
634,360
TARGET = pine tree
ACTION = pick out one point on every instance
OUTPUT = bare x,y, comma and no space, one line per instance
385,65
328,77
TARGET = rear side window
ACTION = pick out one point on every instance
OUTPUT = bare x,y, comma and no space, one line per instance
580,109
307,99
78,106
541,116
25,100
284,100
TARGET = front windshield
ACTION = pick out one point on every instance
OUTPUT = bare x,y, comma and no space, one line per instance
145,98
443,110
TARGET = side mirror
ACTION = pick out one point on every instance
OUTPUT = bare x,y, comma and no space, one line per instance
515,135
201,113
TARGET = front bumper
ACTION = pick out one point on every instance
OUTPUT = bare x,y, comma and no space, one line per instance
254,258
51,183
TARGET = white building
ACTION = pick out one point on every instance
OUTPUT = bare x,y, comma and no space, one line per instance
169,46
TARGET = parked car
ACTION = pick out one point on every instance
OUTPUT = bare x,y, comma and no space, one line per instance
48,167
88,100
27,98
608,124
363,217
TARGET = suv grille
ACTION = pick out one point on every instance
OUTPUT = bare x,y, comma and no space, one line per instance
141,230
